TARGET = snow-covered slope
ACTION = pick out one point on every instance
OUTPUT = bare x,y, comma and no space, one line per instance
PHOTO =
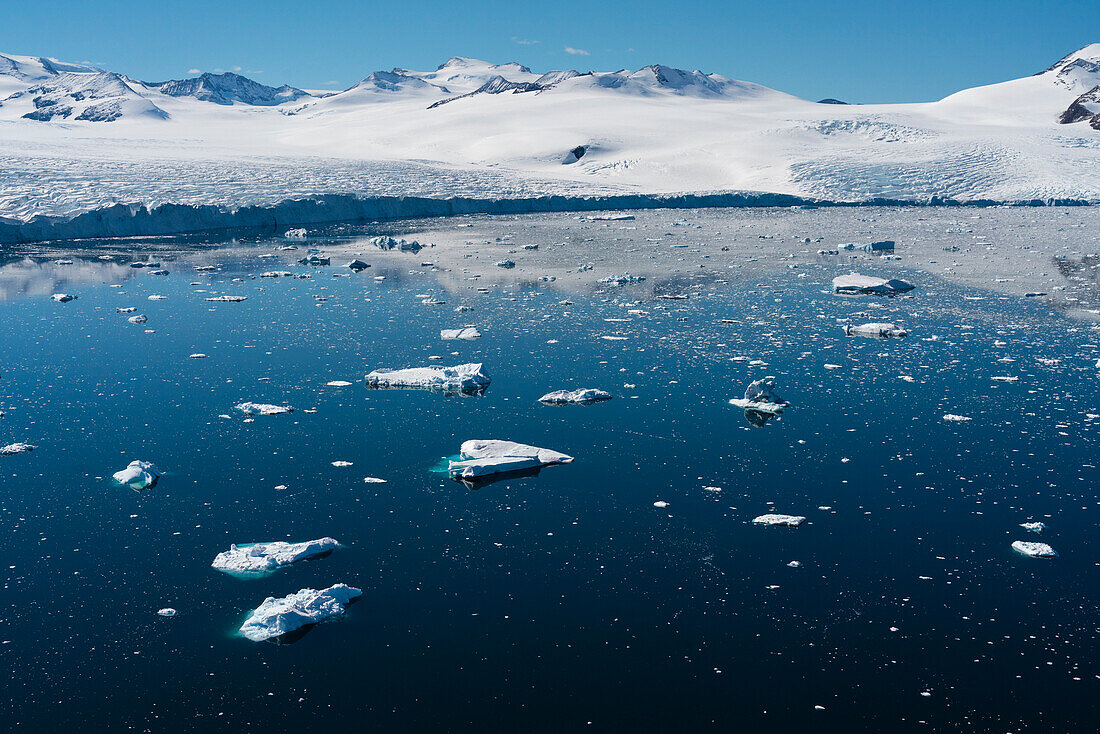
476,129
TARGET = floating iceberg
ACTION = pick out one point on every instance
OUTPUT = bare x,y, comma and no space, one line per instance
261,558
583,396
277,274
883,246
777,519
167,612
761,397
480,458
1034,527
227,299
395,243
506,264
621,279
856,283
1036,550
138,475
15,448
139,319
314,260
466,333
295,234
263,408
879,330
460,378
358,265
63,297
952,418
276,617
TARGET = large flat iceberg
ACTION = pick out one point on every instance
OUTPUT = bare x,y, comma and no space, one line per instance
263,408
479,458
582,396
277,617
261,558
856,283
460,378
1031,548
777,519
878,330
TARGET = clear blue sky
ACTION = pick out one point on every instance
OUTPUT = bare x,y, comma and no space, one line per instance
859,50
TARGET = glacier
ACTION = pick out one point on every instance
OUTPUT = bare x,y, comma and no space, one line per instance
219,151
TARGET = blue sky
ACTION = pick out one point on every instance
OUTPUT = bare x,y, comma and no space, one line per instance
859,51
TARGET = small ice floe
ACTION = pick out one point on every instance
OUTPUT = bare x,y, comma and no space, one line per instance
159,272
466,378
466,333
167,612
263,409
295,234
395,243
480,458
196,355
832,366
263,558
1033,527
15,448
158,297
506,264
761,397
611,217
227,299
584,396
464,309
623,279
876,330
660,504
138,475
373,480
1033,549
854,283
952,418
138,319
277,274
794,564
313,260
277,617
62,262
357,265
777,519
337,383
63,297
342,463
205,268
126,309
1005,378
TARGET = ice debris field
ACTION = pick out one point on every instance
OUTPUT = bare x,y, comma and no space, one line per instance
675,443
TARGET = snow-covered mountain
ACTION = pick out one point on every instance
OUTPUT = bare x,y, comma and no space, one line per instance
227,89
478,129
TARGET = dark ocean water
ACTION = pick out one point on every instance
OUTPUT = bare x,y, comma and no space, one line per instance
564,601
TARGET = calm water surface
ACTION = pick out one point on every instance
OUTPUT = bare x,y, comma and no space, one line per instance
564,601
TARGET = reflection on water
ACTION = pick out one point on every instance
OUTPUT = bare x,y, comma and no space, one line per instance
535,602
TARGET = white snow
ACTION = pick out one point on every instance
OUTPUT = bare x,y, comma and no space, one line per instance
276,617
138,475
777,519
258,558
484,457
583,396
1031,548
463,377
